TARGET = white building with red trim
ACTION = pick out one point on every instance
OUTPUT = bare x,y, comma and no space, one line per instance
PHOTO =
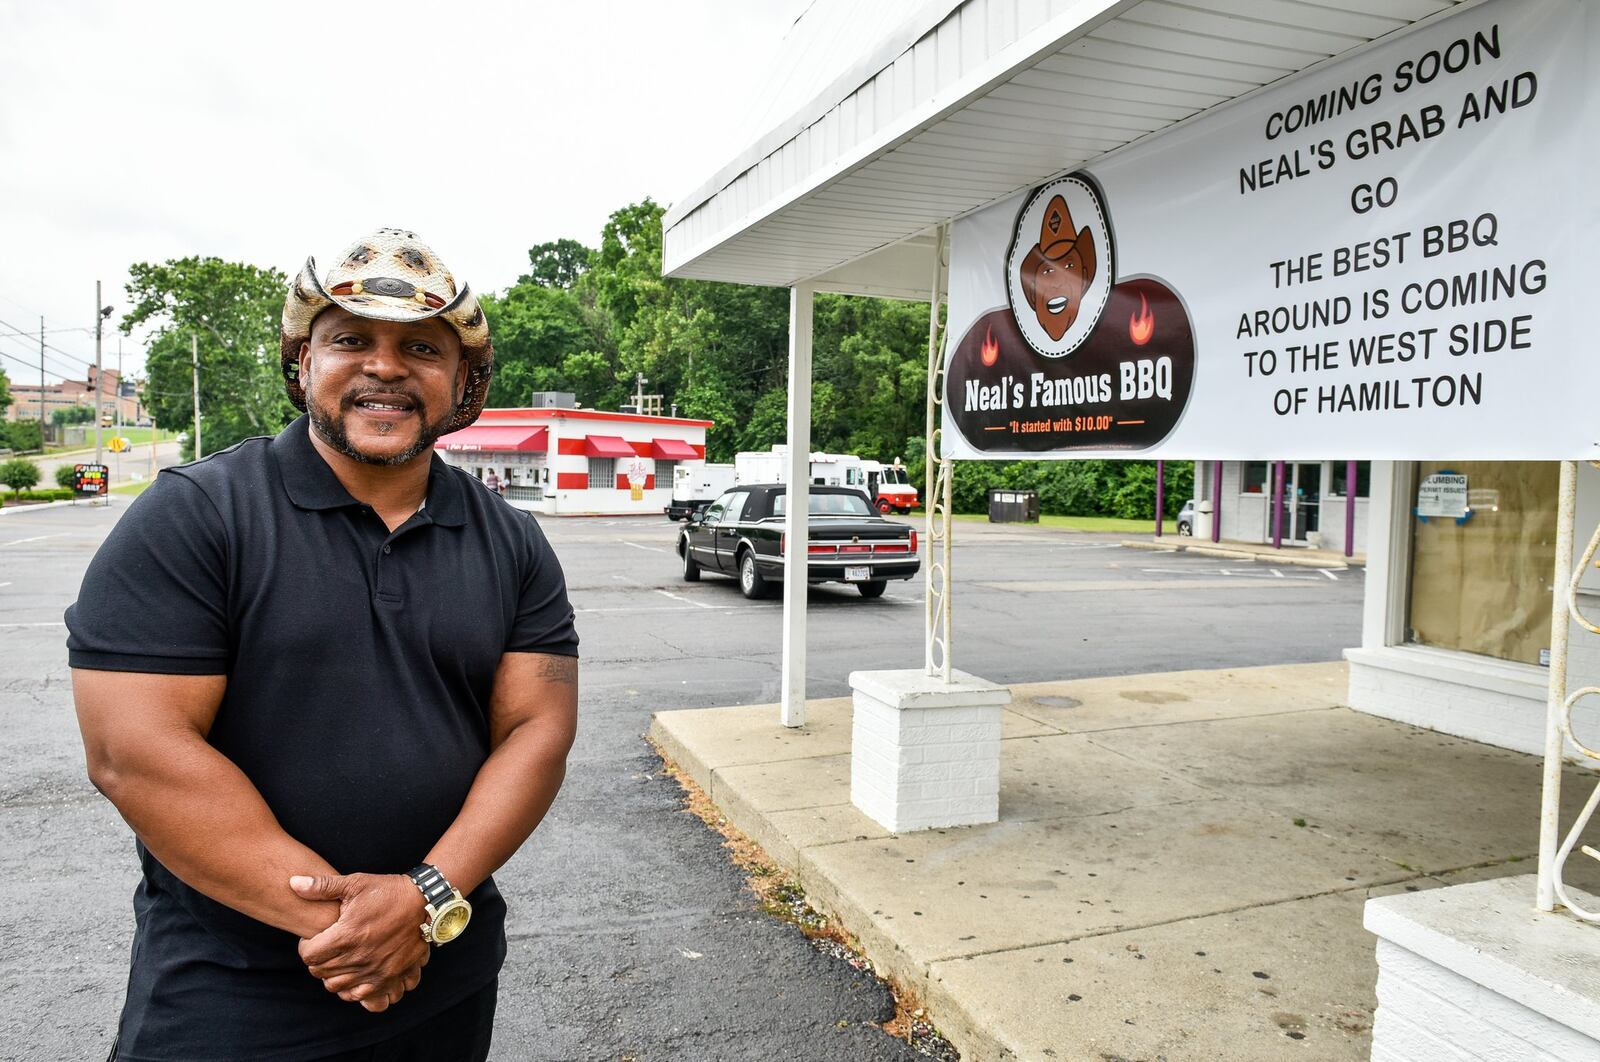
578,462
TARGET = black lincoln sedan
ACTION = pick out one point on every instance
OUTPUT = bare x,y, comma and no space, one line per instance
741,534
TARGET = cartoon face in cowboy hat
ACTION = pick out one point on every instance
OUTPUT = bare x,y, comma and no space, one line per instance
1058,269
392,276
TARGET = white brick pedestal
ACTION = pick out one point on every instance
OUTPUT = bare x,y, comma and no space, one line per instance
926,753
1474,972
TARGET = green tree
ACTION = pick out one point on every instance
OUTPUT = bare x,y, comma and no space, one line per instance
19,474
72,415
64,475
5,389
556,264
233,309
535,330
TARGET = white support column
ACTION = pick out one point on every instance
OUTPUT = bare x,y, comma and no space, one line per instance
797,521
1555,707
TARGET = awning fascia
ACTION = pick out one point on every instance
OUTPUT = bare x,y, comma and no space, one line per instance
607,446
673,450
496,438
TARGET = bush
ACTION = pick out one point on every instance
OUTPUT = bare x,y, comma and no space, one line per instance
19,474
1075,488
64,474
40,496
21,435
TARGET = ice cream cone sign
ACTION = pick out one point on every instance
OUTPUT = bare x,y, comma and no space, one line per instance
638,476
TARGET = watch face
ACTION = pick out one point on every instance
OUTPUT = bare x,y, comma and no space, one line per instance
449,923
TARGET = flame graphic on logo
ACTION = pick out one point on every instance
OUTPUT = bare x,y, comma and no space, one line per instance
990,352
1142,325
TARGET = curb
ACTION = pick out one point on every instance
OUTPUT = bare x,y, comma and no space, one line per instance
954,1021
1283,558
8,510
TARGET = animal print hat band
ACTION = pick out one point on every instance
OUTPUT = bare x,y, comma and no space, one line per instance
390,276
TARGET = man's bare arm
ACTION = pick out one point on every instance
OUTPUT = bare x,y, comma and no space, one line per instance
144,737
533,718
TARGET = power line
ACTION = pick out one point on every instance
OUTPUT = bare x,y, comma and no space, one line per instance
48,346
68,374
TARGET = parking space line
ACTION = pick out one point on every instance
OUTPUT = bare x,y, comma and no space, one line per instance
1329,574
35,538
686,601
635,545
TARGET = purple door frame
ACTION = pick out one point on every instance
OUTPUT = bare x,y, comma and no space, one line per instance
1216,501
1350,508
1277,505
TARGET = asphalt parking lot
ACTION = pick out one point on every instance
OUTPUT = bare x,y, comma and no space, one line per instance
631,935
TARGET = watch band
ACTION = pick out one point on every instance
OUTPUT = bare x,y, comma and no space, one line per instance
435,889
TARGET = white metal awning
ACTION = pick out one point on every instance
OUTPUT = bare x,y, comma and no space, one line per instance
965,103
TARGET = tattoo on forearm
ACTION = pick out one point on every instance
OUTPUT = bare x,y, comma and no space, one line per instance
562,669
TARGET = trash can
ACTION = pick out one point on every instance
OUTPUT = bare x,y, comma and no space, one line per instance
1013,506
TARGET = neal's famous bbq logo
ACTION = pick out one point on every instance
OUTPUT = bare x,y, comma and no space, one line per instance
1076,360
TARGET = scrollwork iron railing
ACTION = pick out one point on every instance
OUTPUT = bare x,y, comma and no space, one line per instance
937,488
1560,731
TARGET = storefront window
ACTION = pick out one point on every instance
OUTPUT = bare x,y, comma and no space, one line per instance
1480,583
1257,477
1363,478
602,473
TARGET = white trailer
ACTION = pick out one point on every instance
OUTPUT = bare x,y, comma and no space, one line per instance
827,470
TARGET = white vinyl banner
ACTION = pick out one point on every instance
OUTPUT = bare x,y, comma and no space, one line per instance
1392,256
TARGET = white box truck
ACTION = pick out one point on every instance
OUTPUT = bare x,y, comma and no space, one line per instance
696,484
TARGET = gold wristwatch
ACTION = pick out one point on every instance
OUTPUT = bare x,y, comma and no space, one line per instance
448,911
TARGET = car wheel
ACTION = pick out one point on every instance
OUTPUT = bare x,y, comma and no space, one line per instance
751,582
873,587
691,567
1185,530
885,506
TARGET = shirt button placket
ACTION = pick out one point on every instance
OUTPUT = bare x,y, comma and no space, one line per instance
385,587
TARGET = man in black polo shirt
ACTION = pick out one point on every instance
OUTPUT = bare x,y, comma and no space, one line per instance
331,684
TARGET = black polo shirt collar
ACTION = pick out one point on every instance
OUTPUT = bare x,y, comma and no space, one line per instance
311,484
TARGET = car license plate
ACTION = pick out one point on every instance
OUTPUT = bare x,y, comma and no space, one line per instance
857,573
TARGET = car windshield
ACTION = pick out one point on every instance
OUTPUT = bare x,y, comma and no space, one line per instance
827,505
893,475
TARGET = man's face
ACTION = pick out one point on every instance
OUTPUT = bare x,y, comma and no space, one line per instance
1058,287
381,392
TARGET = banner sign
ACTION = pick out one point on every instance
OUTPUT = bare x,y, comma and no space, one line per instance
1392,256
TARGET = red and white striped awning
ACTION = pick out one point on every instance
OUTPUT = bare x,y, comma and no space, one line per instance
496,438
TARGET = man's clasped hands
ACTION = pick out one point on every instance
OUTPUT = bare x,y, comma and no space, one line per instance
374,953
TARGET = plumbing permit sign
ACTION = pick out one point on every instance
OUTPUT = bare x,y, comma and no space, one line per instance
1389,257
1442,494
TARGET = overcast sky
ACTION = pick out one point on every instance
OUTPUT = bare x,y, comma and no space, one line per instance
263,132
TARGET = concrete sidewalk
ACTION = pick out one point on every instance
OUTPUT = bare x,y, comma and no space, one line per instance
1179,867
1302,556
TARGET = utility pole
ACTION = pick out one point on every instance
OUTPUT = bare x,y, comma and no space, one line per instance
194,353
638,394
41,383
99,316
119,385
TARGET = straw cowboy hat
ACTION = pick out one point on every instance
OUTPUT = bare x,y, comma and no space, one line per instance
390,276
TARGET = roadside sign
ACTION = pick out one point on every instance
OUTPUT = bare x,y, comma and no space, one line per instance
90,479
119,444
